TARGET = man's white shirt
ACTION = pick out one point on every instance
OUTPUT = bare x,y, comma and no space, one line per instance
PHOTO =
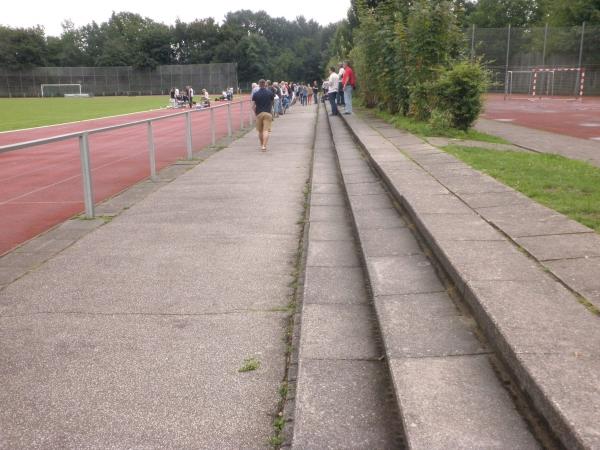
333,82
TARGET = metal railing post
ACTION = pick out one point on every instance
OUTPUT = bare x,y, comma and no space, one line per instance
188,131
212,126
229,119
242,115
151,153
86,173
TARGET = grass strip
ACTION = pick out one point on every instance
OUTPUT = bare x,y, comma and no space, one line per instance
568,186
425,129
18,113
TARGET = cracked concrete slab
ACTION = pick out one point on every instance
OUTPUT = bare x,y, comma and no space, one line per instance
456,402
343,404
581,274
330,231
402,275
531,219
335,285
390,242
562,246
338,331
332,254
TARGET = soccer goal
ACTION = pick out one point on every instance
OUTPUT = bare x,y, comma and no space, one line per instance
558,81
519,82
61,90
537,83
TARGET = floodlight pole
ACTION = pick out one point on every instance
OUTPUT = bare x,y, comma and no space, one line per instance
578,81
473,43
507,56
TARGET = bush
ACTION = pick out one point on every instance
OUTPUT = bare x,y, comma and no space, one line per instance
459,91
440,121
420,101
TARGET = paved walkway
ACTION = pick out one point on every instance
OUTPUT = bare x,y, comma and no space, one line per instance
543,141
132,337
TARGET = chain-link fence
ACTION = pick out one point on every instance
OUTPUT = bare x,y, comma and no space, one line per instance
120,80
516,57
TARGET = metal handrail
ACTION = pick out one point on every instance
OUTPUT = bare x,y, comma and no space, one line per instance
84,147
62,137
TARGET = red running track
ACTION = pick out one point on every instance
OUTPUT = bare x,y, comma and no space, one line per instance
41,186
566,116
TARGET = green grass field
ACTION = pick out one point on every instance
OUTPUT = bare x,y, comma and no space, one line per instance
18,113
568,186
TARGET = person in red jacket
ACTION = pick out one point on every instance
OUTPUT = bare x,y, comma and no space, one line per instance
348,83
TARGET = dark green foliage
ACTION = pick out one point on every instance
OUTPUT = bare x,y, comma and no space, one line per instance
459,92
261,45
421,100
500,13
22,47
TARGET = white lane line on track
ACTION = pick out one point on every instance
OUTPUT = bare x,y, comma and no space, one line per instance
130,156
80,121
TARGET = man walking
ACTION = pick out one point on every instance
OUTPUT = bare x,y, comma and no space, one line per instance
262,103
348,82
333,88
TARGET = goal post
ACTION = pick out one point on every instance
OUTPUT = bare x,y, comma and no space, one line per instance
519,81
60,90
539,82
562,81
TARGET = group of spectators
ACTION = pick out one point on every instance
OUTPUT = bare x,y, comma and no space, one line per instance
272,99
185,97
339,88
287,94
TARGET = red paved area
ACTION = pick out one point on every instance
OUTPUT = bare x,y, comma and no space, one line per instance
41,186
567,116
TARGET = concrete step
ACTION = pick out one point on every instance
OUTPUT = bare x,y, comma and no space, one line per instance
446,389
343,395
549,341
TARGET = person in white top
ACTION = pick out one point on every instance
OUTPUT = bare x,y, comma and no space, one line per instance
334,81
190,96
340,95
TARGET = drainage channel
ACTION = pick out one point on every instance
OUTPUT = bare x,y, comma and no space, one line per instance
450,391
343,396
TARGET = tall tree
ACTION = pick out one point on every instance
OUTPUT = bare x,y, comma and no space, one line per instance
500,13
573,12
22,47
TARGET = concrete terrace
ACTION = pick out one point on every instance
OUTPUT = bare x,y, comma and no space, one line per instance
391,296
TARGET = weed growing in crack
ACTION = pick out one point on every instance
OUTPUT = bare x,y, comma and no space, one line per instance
250,364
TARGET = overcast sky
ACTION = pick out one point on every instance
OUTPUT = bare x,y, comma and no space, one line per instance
50,14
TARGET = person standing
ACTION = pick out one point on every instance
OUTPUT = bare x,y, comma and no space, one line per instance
332,93
348,83
315,91
172,94
262,103
190,96
340,94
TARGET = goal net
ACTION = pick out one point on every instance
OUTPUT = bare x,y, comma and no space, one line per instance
61,90
553,82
